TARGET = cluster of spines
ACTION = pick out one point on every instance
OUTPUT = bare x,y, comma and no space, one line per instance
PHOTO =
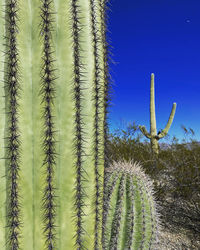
111,183
155,221
145,189
110,188
130,214
48,95
116,223
107,98
12,89
78,82
143,225
96,42
131,178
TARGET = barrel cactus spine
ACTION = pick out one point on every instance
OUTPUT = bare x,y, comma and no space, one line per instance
131,213
56,102
153,136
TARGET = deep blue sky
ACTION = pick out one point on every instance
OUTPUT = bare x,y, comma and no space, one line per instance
161,37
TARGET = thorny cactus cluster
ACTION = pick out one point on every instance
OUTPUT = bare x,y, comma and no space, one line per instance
55,93
130,216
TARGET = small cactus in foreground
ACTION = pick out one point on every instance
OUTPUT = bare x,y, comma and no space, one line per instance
130,218
153,136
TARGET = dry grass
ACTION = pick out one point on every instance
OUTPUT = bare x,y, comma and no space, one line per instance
180,217
176,241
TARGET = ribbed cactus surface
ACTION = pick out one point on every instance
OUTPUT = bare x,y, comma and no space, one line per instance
130,217
53,128
153,135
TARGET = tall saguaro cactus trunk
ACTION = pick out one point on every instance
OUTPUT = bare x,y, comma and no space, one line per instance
53,128
153,136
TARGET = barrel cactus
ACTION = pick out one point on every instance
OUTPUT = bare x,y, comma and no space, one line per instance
53,128
130,215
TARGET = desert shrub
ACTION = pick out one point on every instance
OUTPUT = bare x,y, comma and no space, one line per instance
176,174
184,166
126,144
178,164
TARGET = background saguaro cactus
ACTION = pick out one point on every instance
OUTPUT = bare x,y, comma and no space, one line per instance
153,136
130,214
53,127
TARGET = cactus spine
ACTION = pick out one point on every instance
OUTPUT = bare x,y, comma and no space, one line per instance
153,136
53,123
12,146
130,216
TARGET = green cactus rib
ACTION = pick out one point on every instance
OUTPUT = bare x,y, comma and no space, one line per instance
12,88
79,196
130,215
97,88
153,136
48,96
109,189
109,207
107,98
116,229
106,77
132,219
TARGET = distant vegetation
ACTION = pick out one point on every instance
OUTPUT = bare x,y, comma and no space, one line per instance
176,175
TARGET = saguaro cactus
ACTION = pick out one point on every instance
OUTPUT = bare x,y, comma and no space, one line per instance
153,136
54,100
130,217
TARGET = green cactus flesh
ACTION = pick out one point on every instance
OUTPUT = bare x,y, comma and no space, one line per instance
130,216
153,136
53,128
